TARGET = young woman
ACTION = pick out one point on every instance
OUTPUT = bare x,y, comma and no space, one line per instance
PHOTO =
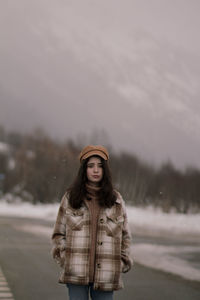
91,239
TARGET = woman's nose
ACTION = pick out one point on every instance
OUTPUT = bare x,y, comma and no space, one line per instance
95,168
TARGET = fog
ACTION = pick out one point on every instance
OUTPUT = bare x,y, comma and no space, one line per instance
120,73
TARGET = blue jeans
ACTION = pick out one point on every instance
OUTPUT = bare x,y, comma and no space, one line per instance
81,292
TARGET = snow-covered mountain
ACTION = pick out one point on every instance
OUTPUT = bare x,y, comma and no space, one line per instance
74,66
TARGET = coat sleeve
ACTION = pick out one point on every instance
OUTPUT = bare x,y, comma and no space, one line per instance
59,232
127,261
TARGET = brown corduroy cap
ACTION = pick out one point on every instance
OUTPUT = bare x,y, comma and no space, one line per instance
91,150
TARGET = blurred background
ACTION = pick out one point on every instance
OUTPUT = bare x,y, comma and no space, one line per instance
125,75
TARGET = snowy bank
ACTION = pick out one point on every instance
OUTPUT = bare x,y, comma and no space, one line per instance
143,221
154,222
28,210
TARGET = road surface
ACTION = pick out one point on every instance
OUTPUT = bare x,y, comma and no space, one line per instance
32,274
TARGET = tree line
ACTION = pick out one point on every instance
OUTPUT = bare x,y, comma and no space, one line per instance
39,169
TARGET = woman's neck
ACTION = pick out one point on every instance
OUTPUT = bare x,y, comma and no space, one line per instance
93,190
93,184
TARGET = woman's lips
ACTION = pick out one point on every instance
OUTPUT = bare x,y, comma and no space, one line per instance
95,176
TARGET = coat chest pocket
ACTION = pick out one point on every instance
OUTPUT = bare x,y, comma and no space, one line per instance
75,219
114,225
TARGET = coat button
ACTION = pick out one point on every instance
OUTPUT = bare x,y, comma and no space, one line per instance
99,265
101,221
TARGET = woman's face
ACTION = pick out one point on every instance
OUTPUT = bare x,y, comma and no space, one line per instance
94,170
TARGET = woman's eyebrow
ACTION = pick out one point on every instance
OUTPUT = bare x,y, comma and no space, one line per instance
91,164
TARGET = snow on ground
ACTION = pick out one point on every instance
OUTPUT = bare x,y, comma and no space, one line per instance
28,210
154,222
169,259
143,221
146,221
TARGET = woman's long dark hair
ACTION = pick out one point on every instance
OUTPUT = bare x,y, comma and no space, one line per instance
77,191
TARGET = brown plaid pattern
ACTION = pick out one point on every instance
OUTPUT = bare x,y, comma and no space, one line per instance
71,245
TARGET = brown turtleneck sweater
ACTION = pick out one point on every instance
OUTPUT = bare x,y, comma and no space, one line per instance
94,209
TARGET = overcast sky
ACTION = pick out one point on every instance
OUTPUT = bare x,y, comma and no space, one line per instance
124,73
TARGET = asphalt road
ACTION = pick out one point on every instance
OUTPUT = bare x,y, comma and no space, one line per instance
32,274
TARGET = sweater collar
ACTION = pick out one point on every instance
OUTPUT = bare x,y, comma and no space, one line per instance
92,191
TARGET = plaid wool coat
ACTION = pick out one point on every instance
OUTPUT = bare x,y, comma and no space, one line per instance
71,245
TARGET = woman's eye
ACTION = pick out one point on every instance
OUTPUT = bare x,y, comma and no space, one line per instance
92,166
